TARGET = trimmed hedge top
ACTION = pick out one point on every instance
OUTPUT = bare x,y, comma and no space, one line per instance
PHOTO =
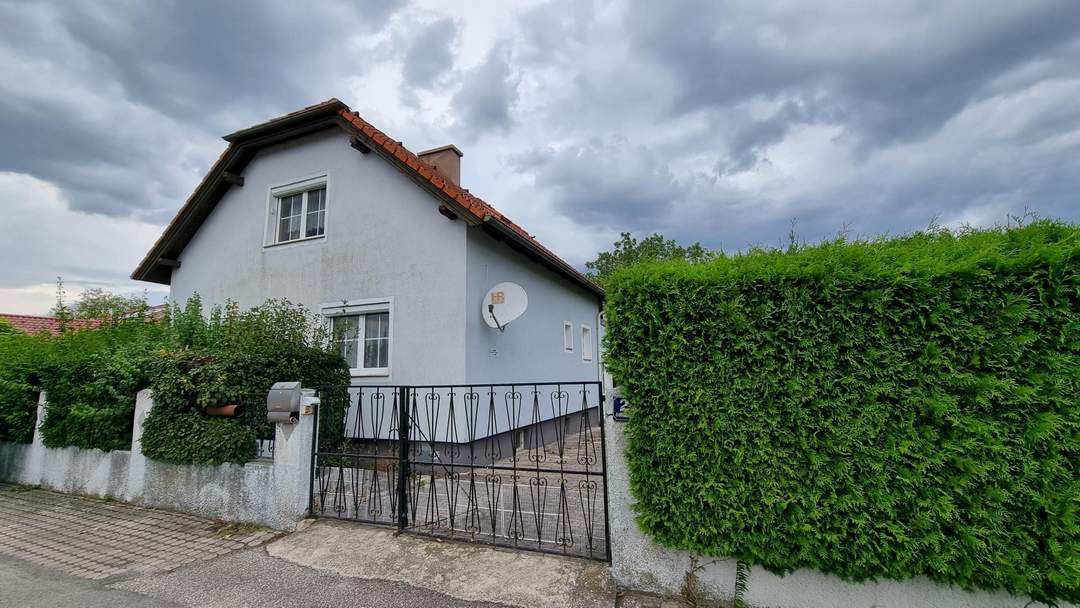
871,409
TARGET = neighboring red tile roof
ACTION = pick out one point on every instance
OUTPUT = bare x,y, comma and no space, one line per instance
33,324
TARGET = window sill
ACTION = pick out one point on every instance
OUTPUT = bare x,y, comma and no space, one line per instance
295,241
368,373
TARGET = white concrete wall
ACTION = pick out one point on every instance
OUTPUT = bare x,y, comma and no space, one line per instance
384,238
638,563
270,493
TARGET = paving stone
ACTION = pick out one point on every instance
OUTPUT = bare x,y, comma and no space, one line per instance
99,539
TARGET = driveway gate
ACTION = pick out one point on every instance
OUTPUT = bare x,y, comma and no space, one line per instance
518,465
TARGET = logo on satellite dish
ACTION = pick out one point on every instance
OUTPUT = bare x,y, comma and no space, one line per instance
504,303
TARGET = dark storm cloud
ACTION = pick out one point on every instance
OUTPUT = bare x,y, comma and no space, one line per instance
905,84
605,183
703,95
430,54
121,105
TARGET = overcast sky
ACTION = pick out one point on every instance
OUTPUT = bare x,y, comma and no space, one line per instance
719,122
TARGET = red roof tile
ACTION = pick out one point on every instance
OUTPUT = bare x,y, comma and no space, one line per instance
33,324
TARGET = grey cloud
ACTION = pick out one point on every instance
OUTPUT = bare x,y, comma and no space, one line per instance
487,95
121,105
430,54
905,83
612,183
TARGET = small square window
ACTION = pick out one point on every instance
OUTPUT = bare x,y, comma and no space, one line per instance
300,214
568,337
586,343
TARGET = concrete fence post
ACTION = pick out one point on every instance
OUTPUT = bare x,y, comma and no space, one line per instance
144,402
42,401
292,459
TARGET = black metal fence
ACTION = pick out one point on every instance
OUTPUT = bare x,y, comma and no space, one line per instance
519,465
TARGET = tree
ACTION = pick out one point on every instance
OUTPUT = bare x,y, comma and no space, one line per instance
96,303
6,328
628,250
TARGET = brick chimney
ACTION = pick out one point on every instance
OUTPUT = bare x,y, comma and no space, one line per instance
446,160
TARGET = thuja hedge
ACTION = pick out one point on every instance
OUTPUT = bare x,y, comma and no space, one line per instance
879,409
20,382
90,375
233,357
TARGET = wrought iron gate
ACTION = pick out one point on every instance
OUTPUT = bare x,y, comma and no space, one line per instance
518,465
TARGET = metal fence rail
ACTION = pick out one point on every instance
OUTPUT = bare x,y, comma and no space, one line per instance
519,465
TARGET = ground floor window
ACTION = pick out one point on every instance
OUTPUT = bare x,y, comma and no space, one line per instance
362,337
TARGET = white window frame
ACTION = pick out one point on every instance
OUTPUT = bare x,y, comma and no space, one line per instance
586,343
298,186
567,337
352,308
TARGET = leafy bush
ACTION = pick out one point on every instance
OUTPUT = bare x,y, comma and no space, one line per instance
870,409
21,357
233,357
91,377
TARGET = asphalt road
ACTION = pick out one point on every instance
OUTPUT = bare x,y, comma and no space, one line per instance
32,586
241,579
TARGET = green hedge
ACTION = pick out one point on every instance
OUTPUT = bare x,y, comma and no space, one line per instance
21,357
234,357
91,377
879,409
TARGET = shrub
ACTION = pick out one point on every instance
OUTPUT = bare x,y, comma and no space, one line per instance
226,359
91,377
871,409
21,357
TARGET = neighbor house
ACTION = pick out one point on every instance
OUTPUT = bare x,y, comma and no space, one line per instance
322,208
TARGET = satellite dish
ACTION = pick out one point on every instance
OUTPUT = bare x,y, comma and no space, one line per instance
504,303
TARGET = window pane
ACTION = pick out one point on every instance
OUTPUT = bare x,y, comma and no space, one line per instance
377,340
378,325
377,353
345,332
348,350
316,212
290,208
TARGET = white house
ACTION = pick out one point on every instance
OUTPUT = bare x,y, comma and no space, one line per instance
320,207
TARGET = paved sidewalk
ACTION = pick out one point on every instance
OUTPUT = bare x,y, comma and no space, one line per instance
97,539
470,572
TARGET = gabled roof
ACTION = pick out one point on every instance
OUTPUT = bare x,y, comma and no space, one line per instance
156,266
32,324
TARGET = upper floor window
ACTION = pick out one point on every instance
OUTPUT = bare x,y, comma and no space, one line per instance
301,215
298,211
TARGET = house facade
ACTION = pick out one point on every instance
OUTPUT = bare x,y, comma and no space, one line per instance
321,208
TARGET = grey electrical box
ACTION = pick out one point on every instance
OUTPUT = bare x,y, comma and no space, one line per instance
283,402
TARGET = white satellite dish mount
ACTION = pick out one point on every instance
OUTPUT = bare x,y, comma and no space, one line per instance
504,303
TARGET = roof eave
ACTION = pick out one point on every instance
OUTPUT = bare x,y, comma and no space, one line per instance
242,147
555,264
